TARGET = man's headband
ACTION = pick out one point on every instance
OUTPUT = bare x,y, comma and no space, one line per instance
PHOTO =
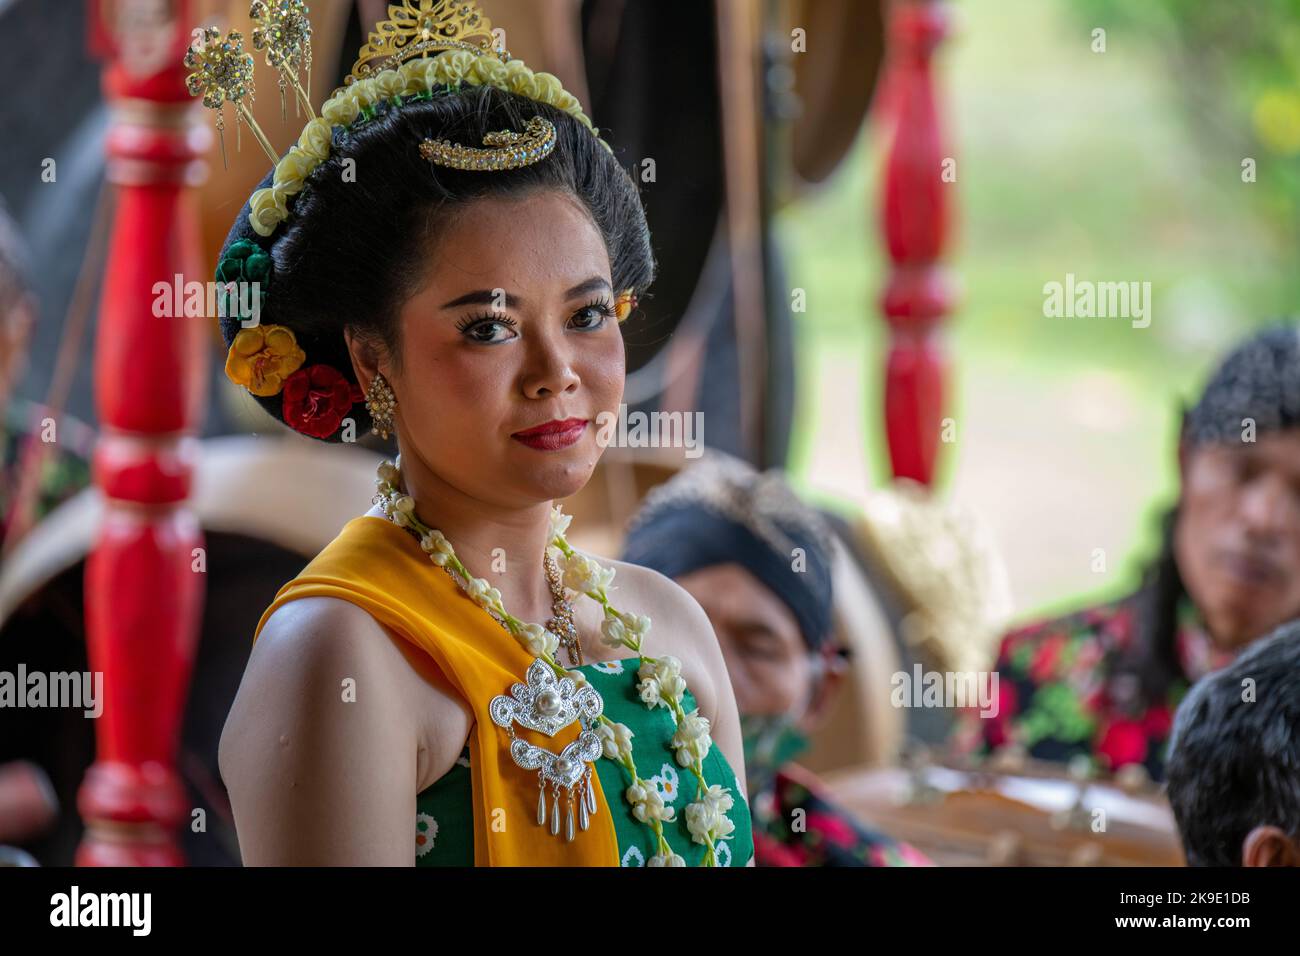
720,510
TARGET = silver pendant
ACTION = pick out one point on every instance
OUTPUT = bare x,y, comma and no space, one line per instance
548,704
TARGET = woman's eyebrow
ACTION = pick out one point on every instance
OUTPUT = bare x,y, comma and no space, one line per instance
594,284
484,297
498,297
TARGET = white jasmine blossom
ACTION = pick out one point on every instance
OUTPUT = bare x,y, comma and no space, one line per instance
635,626
719,797
700,821
648,690
667,671
652,807
580,572
559,523
692,741
604,578
615,740
612,632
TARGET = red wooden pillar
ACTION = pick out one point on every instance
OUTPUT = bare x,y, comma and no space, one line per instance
143,594
918,293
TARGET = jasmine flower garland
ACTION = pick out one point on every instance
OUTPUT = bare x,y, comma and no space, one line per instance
660,684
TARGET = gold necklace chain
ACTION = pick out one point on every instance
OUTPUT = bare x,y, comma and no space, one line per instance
561,624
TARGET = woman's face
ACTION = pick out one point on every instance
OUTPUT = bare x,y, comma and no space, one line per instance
514,328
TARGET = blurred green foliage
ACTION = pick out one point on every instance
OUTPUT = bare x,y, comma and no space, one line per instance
1236,69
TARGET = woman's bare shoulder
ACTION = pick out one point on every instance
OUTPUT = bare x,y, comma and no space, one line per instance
310,653
317,727
642,590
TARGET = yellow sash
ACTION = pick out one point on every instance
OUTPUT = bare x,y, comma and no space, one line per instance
380,567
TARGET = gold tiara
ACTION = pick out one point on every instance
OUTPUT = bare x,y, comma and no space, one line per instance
423,28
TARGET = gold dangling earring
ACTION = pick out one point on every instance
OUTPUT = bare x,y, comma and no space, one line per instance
380,403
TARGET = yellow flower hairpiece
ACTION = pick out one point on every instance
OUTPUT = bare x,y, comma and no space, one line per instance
261,358
624,304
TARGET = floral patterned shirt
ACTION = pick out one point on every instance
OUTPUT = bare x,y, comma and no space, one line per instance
64,470
822,834
1055,698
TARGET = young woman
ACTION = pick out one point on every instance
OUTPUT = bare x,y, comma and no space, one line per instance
448,255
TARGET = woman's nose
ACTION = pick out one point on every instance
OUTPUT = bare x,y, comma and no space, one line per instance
550,372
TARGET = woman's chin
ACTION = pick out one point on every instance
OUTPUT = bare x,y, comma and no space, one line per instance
555,475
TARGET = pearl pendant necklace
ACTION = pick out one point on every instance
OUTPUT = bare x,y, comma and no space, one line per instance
548,704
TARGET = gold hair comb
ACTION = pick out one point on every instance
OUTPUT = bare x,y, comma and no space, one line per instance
507,149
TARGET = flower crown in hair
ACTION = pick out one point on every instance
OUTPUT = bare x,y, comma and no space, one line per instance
424,48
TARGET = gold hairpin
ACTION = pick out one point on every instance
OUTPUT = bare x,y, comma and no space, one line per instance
284,32
423,28
508,150
223,72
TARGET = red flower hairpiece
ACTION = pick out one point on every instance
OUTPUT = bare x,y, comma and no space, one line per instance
317,398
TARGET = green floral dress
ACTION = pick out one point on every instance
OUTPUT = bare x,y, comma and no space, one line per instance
444,820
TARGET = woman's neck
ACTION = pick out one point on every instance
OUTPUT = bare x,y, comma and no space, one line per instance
502,544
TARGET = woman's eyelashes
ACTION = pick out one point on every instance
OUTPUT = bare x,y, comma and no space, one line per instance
595,314
493,328
481,328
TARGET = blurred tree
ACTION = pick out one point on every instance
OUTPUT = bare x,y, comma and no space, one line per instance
1236,67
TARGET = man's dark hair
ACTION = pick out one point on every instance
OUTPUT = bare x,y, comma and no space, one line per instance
1234,763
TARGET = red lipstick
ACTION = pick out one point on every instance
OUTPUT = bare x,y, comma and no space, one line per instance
552,435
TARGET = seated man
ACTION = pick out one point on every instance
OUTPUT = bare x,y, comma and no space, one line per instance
758,562
1234,759
37,472
1103,683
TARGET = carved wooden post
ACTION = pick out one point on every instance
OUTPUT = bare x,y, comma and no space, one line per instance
918,294
143,595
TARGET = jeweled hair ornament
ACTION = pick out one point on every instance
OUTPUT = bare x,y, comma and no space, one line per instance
503,150
284,32
223,73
